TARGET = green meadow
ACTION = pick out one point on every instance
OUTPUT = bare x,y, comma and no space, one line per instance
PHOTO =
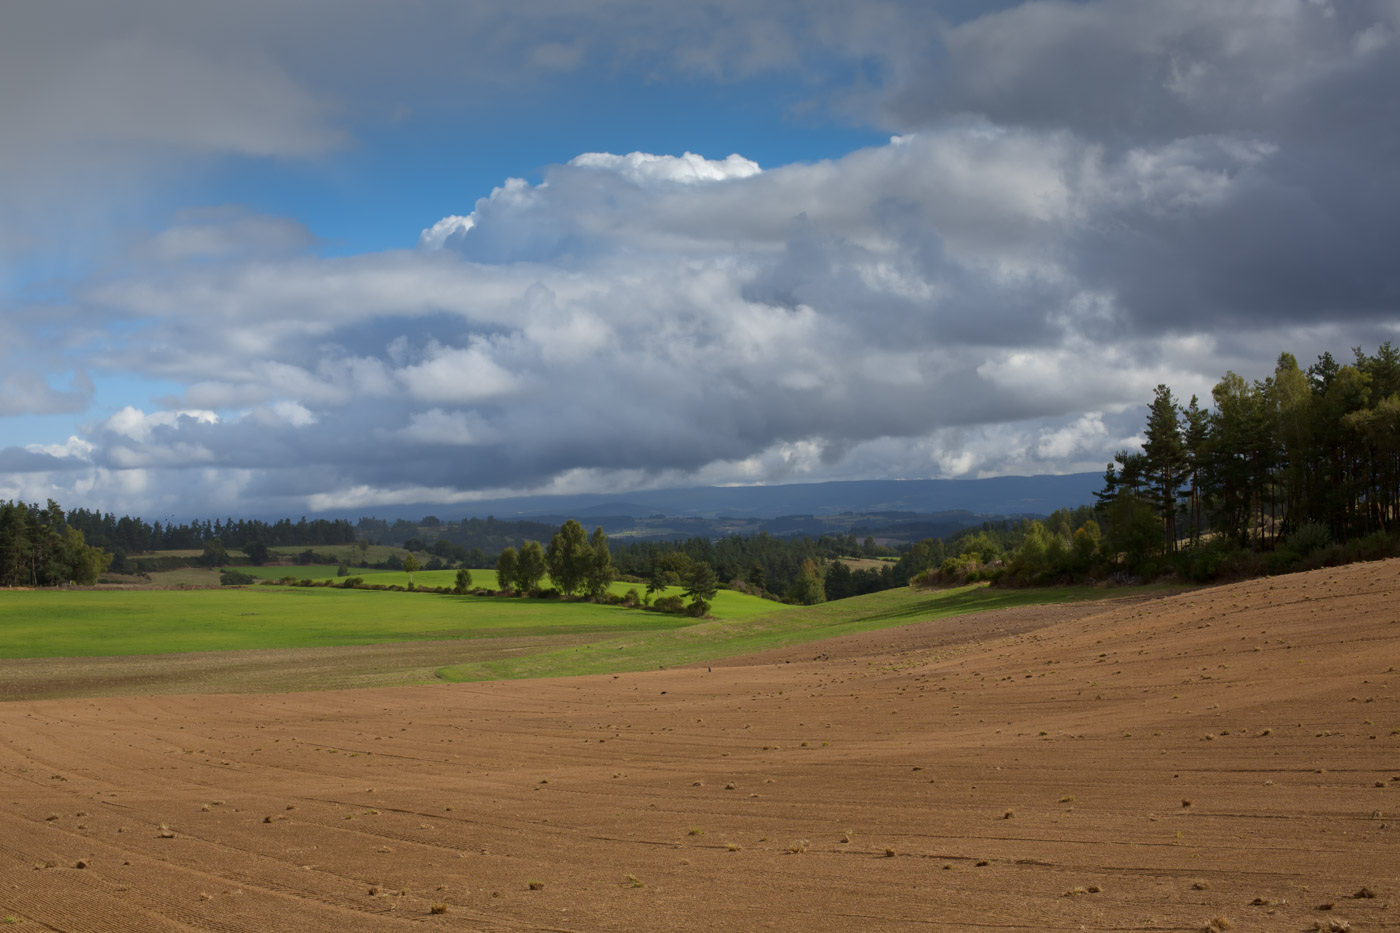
711,640
97,623
727,604
86,623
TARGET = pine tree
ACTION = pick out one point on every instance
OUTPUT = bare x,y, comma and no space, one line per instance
1196,432
1166,459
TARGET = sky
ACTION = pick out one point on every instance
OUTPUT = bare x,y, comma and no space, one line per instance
301,256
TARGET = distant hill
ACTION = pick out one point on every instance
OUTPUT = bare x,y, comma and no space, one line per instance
1001,495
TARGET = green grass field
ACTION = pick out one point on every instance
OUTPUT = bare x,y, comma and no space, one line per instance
87,623
727,604
791,626
495,638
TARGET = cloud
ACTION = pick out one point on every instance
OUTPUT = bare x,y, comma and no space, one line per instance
458,374
225,233
688,169
23,391
1082,200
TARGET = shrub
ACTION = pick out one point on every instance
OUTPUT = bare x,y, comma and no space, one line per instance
1308,538
697,608
349,583
632,599
1282,560
236,578
672,604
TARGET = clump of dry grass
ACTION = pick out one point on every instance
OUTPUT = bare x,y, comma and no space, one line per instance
535,885
438,909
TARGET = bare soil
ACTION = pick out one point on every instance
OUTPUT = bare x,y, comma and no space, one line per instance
1229,755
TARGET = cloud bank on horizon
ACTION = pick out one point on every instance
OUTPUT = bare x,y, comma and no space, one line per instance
1075,202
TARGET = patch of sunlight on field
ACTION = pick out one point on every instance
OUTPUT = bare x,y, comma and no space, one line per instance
73,623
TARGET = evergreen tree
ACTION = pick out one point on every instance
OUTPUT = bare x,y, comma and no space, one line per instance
1165,459
701,584
1195,434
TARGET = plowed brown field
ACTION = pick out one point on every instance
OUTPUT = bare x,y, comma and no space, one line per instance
1229,753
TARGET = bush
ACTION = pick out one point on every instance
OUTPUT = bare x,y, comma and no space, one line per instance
632,599
236,578
1281,560
349,583
1239,564
925,579
672,604
697,608
1309,538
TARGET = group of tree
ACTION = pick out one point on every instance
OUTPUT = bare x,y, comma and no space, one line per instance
1298,460
39,548
1296,470
577,563
761,564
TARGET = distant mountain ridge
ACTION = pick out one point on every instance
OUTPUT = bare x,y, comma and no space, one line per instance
1001,495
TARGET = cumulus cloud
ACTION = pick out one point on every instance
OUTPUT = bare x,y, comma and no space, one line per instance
1083,200
685,169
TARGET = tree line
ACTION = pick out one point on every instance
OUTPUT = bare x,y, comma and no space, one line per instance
1298,470
130,535
38,547
1312,453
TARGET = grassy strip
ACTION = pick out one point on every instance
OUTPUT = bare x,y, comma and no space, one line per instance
727,604
711,640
